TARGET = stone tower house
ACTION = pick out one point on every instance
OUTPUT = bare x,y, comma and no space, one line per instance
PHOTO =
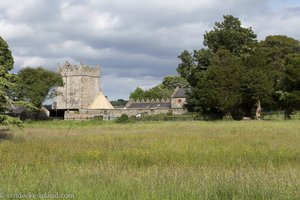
81,86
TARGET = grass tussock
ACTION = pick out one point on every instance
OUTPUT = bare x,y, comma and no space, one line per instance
173,160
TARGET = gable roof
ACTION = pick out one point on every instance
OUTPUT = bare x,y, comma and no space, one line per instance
100,102
179,93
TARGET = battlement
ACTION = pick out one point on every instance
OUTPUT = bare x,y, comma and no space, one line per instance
81,86
78,70
148,104
150,101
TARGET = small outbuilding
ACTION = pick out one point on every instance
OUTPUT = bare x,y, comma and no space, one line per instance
178,98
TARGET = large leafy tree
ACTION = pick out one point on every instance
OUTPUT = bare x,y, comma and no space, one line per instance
230,35
36,84
257,83
171,82
218,88
228,41
289,95
193,63
6,84
277,48
137,94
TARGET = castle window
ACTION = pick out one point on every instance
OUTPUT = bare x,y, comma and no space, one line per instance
179,101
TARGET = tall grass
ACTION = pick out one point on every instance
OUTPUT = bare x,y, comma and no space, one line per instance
170,160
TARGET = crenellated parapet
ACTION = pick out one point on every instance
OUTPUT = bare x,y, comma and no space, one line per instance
81,86
150,100
148,103
68,70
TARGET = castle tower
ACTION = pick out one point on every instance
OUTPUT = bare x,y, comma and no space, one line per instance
81,87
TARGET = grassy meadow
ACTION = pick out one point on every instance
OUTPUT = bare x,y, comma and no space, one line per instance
153,160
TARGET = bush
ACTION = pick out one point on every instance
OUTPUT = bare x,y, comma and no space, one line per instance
123,119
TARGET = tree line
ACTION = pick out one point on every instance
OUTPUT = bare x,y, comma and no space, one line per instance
235,74
163,90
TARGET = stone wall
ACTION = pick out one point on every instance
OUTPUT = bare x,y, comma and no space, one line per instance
178,102
81,86
114,113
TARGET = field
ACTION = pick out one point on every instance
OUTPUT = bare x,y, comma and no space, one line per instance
153,160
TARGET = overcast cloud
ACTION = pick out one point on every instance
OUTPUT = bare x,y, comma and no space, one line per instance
136,42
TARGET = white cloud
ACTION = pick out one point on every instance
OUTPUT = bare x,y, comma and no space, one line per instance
135,41
9,30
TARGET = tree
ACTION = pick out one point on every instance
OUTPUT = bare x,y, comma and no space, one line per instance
193,63
218,88
208,70
230,35
289,95
157,92
187,65
37,84
257,83
119,103
171,82
6,84
277,48
137,94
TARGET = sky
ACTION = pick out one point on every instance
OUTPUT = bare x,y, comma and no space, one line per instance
136,42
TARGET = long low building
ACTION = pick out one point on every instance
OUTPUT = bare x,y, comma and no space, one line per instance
81,98
174,105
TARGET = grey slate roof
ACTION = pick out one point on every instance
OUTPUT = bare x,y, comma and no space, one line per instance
180,93
150,105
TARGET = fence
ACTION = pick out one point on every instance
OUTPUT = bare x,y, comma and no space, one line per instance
169,118
271,115
277,115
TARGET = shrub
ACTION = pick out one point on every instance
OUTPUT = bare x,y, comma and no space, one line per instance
123,119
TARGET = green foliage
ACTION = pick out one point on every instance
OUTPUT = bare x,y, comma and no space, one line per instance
37,84
6,64
137,94
7,120
193,63
7,85
119,103
257,81
157,92
230,35
235,71
123,119
6,59
277,48
187,66
291,79
289,95
171,82
217,89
